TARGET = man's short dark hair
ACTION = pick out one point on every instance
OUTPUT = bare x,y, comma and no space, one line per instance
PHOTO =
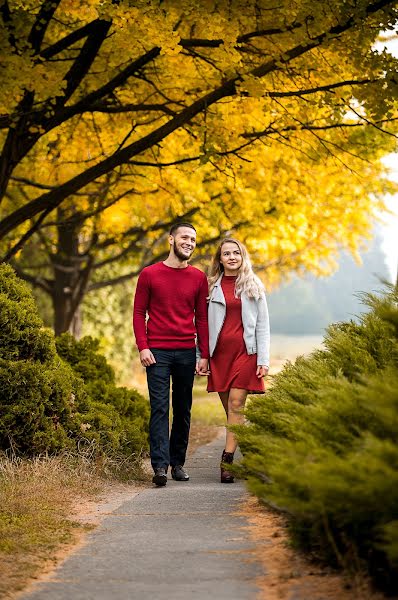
178,225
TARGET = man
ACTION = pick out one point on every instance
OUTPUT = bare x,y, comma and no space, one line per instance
174,295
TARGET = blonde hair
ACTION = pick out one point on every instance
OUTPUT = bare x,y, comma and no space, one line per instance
247,282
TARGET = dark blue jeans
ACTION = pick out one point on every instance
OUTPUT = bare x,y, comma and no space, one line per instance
179,366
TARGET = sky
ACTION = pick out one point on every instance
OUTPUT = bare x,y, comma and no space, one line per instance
390,220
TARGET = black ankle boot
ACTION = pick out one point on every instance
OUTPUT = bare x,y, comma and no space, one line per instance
226,458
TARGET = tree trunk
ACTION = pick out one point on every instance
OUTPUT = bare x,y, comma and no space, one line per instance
75,327
71,273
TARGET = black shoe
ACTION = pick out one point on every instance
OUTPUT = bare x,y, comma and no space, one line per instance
160,477
179,474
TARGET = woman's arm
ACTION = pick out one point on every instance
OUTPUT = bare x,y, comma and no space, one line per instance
262,332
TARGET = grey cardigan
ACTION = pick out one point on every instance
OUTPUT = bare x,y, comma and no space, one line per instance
254,318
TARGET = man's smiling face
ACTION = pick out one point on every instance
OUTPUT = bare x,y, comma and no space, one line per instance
184,242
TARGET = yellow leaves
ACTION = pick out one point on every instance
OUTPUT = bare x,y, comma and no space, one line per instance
254,86
296,194
38,129
146,26
118,218
81,10
171,46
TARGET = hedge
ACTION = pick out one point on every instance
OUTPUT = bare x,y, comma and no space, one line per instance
322,445
117,417
57,394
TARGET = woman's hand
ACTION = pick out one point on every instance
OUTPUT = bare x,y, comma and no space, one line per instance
202,367
262,371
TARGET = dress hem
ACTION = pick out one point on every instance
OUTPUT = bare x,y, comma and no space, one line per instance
235,387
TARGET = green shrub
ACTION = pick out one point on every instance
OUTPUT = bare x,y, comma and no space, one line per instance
322,445
50,401
118,416
84,358
22,334
38,392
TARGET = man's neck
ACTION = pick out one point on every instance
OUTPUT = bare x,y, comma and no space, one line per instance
175,263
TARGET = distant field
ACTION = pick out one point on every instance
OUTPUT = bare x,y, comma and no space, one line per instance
289,347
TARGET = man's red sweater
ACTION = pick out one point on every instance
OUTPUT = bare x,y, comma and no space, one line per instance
176,303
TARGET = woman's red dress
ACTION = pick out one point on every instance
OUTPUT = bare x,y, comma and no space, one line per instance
230,365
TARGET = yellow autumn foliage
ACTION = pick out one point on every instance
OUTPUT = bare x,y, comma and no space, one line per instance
289,158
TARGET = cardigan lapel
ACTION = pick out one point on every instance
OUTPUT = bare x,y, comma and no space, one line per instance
217,294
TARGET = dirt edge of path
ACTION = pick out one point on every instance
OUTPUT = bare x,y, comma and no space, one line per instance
287,573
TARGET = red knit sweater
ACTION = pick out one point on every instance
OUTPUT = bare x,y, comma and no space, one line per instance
175,300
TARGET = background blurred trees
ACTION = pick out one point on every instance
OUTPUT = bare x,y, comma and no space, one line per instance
308,305
116,120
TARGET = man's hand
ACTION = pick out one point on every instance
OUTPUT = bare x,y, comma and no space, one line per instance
262,371
202,367
147,358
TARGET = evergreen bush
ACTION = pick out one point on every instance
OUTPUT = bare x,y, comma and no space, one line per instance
118,417
38,392
322,445
53,400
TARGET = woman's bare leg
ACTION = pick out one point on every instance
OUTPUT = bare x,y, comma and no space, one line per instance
236,404
224,401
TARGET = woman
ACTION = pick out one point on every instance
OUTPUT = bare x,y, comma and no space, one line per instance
238,337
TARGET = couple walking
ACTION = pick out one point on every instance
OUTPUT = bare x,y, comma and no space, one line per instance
224,335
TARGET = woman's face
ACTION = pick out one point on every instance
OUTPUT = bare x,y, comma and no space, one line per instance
231,258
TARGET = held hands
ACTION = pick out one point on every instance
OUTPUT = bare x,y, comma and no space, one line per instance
262,371
202,367
147,358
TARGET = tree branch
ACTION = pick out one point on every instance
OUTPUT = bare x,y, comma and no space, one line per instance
307,127
69,40
7,20
39,282
41,23
20,244
5,121
375,124
320,88
122,108
109,87
241,39
87,55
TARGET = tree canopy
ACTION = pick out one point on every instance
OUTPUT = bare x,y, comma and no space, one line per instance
117,118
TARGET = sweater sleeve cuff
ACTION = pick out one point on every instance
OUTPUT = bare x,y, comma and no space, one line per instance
142,344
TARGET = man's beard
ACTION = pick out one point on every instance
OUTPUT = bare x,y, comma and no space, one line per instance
179,254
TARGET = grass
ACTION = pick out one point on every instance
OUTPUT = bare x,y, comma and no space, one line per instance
206,408
207,416
37,497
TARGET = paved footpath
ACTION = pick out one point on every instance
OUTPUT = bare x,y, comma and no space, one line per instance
180,542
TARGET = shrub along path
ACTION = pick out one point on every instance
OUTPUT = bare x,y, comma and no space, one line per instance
182,541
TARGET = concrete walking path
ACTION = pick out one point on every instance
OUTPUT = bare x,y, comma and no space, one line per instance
181,542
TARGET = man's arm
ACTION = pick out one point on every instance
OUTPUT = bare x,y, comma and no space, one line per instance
141,303
202,328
